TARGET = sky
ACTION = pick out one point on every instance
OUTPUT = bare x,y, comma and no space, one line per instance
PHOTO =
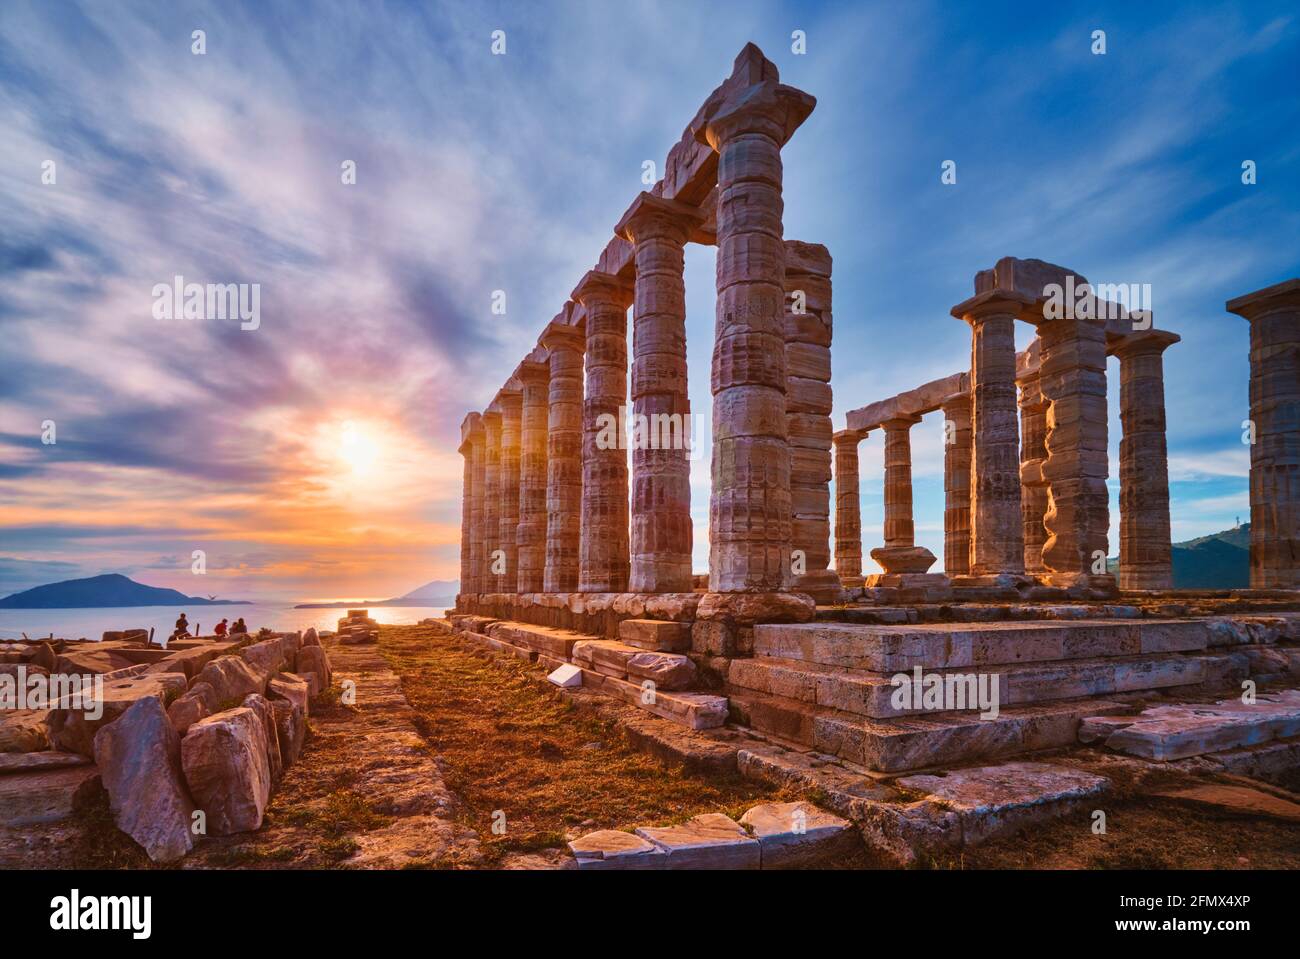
315,456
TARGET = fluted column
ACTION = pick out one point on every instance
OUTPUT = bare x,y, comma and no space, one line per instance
1033,451
491,498
1145,552
603,551
661,533
512,406
565,346
808,404
848,509
749,509
1072,377
471,432
478,520
1274,315
997,540
530,535
956,485
900,553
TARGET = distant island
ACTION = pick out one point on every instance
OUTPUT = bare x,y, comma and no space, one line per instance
109,590
436,593
1218,561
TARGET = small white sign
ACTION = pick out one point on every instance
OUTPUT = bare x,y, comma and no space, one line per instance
567,676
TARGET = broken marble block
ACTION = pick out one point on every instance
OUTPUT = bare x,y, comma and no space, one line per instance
793,835
232,678
73,725
708,841
290,729
612,849
225,761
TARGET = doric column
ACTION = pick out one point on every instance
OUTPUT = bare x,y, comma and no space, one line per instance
491,498
661,534
848,510
1072,377
512,408
530,535
956,484
900,553
565,346
603,550
1274,315
807,331
1033,450
997,540
471,444
749,509
1145,552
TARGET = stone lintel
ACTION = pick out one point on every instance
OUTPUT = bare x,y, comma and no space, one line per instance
1028,277
1251,305
917,402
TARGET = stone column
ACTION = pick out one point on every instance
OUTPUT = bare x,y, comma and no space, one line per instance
749,509
900,553
478,518
1274,315
603,550
1072,377
848,509
491,498
956,485
471,432
530,535
1145,552
512,408
807,332
997,539
1033,451
661,535
565,344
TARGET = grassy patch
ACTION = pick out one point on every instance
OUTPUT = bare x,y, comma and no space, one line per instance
546,768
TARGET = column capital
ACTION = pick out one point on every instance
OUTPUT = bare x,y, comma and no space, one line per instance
603,288
562,336
652,216
959,402
849,438
983,306
492,418
769,107
1279,296
1144,343
901,423
532,372
471,431
507,400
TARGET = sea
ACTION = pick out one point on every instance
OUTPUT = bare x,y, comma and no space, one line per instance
91,623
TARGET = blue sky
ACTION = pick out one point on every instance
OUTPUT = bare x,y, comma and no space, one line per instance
478,172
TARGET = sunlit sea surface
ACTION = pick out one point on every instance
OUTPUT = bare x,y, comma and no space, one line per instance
91,623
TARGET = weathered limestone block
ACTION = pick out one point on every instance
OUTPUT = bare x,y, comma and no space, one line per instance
226,765
666,670
266,716
848,511
199,700
565,346
655,635
1145,551
313,659
291,687
798,835
612,849
1274,316
267,657
232,677
604,564
511,402
139,760
956,484
290,729
73,726
47,795
530,535
708,841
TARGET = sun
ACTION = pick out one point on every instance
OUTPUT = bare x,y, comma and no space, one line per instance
358,448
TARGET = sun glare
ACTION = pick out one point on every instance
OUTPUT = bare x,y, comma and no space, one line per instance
358,448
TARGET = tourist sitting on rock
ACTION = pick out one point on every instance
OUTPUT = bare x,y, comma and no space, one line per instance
239,626
221,628
182,628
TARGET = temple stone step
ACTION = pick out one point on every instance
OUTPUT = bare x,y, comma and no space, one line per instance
917,742
892,649
1178,731
874,694
553,642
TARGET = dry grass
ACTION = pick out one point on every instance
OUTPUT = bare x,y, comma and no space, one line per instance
509,743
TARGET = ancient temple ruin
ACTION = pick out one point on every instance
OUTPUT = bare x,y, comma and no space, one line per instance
569,556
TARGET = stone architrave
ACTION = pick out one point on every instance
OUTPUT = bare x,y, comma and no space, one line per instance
749,509
848,510
956,484
565,346
1145,551
492,552
661,533
1274,425
807,331
603,558
997,537
1033,486
469,428
530,535
512,407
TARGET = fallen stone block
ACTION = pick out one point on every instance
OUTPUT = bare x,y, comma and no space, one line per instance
11,763
224,759
46,795
310,637
199,700
796,835
24,730
73,726
232,678
139,761
1164,733
708,841
290,729
267,657
292,687
313,659
266,716
612,849
665,670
